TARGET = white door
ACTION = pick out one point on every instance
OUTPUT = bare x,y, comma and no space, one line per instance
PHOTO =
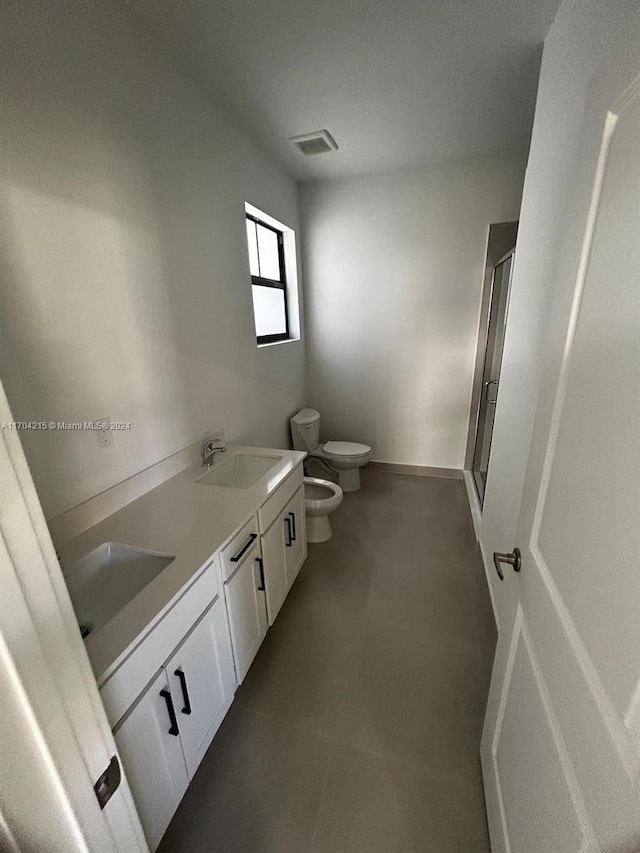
203,681
561,745
295,536
149,742
55,739
274,548
247,609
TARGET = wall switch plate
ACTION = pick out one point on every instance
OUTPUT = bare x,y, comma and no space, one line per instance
104,436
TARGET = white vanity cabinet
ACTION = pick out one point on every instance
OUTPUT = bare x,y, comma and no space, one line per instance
153,760
202,683
275,567
284,549
167,695
295,549
245,594
165,732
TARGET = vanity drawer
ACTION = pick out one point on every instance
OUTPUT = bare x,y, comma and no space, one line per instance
130,679
274,505
238,547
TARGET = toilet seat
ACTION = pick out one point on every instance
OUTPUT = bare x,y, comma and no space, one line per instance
345,449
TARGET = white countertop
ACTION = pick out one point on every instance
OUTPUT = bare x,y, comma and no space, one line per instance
181,517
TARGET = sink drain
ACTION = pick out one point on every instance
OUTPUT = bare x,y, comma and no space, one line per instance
85,629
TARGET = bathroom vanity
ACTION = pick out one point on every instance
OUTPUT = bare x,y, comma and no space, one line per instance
208,558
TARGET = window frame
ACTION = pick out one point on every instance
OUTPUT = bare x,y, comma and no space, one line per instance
259,281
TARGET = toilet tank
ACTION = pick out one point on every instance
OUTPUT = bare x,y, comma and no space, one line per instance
305,430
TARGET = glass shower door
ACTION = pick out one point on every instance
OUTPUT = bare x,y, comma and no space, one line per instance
491,371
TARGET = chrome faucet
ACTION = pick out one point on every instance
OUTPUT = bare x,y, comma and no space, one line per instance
211,447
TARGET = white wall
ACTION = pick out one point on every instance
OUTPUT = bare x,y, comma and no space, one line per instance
394,266
580,37
125,281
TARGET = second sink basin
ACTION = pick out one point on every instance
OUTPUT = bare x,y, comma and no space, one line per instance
105,580
239,472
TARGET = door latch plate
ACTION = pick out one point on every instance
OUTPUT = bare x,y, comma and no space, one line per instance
108,783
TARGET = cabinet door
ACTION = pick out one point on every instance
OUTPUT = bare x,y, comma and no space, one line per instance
246,606
295,536
275,565
202,678
153,760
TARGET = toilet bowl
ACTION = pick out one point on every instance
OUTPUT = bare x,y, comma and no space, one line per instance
320,498
339,460
347,457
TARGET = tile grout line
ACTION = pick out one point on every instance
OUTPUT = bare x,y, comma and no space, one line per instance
449,774
323,792
283,721
452,637
400,762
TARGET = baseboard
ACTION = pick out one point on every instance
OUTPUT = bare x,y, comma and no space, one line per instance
417,470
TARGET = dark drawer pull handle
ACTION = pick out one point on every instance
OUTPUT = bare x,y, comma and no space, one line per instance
260,563
174,730
293,522
185,693
287,521
245,547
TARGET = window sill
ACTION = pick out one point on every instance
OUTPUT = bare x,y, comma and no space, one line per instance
278,343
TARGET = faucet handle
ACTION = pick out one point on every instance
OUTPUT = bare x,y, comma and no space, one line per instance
211,447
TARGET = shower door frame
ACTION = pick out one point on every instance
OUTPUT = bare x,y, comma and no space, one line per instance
480,488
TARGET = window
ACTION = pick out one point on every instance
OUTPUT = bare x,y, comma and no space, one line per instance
268,281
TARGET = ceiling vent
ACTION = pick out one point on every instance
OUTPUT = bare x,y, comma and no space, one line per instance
318,142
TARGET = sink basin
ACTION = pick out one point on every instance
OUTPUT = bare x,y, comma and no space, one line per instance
239,472
105,580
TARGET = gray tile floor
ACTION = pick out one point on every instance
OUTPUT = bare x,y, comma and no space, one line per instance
357,728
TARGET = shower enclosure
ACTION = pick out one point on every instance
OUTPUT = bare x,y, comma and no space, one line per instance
491,371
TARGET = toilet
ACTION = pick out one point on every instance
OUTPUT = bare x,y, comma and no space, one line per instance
320,498
339,460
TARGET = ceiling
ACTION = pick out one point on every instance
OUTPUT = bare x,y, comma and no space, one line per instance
396,82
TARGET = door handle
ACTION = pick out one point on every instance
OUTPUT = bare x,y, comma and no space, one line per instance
293,522
185,693
487,385
260,563
173,730
513,559
287,521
